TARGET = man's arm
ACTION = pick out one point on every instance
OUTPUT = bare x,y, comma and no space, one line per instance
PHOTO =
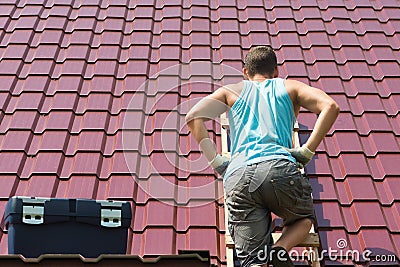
208,108
318,102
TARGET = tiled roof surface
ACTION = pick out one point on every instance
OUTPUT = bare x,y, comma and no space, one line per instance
73,76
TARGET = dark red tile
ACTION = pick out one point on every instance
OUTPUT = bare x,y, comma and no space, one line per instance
109,24
119,163
196,239
86,141
11,66
7,9
379,142
295,69
285,39
392,217
385,69
311,25
20,36
121,187
253,12
15,140
343,142
157,187
282,25
198,190
52,23
323,69
87,11
194,216
48,141
26,101
60,101
6,82
8,182
287,53
320,165
374,39
77,37
389,163
159,214
305,12
384,190
355,69
55,120
376,240
354,164
365,85
360,188
73,52
76,187
349,53
317,53
323,188
372,122
19,120
37,186
152,236
11,162
329,85
42,163
328,214
15,51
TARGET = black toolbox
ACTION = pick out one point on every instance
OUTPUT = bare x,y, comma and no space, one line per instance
39,226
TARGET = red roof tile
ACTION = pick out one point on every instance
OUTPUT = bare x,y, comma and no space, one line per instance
93,105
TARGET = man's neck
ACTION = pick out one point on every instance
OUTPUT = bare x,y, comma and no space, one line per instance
259,78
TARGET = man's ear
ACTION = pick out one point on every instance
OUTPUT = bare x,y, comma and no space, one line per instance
276,72
245,74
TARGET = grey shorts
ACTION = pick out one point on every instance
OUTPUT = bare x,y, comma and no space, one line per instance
252,193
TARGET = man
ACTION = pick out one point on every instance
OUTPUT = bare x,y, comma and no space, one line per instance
263,175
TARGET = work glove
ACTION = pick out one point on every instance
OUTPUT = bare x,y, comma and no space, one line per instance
302,154
220,164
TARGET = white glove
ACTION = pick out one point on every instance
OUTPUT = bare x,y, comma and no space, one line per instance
220,164
302,154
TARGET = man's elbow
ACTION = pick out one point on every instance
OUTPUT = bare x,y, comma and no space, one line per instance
188,117
334,108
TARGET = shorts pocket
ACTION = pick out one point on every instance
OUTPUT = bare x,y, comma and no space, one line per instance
305,200
305,184
287,190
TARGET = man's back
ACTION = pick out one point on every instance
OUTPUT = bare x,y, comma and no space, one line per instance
261,122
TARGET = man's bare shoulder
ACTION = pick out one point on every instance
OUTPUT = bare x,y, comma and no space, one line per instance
293,84
234,87
232,92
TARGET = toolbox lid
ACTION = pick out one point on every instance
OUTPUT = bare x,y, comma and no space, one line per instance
32,210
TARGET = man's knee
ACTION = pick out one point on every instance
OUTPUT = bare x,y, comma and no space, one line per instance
308,223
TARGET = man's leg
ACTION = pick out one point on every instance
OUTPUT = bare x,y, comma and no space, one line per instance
249,223
291,200
294,234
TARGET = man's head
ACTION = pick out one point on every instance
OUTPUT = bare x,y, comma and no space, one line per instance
261,60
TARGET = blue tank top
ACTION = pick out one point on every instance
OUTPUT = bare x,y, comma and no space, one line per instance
261,124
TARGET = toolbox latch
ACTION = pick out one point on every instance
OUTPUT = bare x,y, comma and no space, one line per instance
110,217
111,214
33,209
33,214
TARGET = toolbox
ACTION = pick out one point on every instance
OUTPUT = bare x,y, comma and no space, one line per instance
88,227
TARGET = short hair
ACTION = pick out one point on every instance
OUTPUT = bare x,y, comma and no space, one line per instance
261,60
